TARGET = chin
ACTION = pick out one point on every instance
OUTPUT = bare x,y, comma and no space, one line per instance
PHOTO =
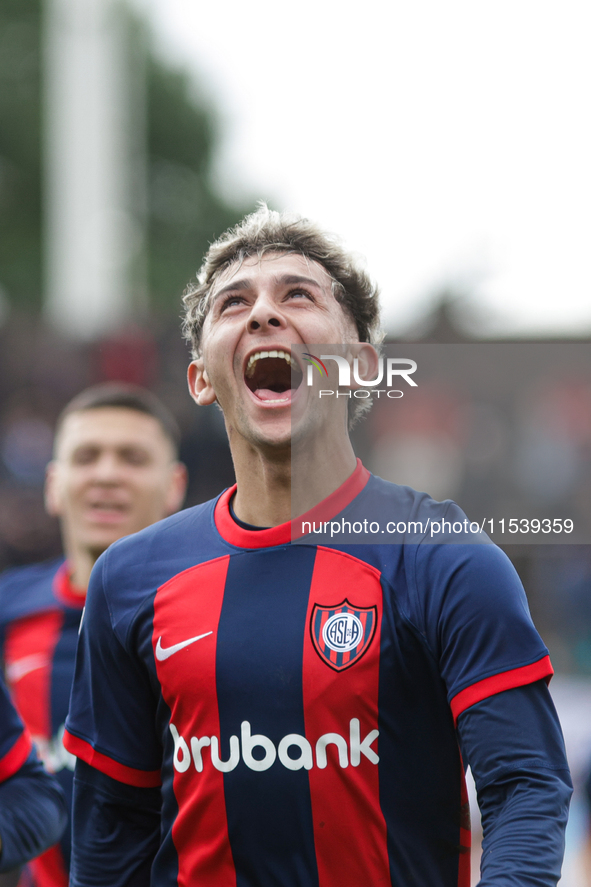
278,436
274,434
273,443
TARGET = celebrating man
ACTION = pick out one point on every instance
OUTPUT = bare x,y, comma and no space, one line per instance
252,708
114,472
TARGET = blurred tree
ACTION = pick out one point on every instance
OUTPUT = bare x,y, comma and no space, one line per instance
184,212
20,152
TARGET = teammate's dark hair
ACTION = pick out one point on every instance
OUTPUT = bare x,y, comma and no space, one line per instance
125,396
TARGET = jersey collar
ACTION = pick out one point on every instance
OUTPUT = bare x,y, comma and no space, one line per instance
282,534
64,590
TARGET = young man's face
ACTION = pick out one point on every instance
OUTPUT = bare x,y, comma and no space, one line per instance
264,305
114,473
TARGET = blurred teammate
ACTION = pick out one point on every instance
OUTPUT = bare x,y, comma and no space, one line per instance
252,711
114,471
32,809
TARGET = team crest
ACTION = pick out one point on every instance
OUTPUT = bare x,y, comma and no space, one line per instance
342,634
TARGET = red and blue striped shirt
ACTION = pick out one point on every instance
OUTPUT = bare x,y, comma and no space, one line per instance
297,703
40,616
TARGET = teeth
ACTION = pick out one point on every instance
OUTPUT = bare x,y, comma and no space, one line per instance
259,355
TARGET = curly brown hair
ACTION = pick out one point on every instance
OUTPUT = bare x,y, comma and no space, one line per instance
268,231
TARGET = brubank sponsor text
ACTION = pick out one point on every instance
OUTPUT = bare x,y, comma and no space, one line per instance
192,750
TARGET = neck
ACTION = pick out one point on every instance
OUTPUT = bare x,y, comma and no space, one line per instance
277,485
81,568
80,560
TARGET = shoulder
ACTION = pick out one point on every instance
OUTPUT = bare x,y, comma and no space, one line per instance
407,501
461,584
407,516
435,540
187,530
479,572
17,578
26,590
404,532
134,567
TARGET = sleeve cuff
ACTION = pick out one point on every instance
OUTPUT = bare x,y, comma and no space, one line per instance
16,757
106,765
506,680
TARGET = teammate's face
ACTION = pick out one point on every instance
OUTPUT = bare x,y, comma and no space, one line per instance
264,305
114,473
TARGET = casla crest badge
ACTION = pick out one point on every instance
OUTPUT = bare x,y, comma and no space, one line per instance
342,634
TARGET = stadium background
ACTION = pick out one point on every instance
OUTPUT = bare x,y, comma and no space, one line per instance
43,362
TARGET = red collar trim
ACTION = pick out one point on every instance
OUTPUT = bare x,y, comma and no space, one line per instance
282,534
65,591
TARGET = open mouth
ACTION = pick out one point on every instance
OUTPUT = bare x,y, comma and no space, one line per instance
106,512
273,376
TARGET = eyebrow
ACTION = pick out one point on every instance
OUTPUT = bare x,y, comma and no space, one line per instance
285,279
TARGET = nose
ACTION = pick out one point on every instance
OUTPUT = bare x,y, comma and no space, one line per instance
107,469
265,314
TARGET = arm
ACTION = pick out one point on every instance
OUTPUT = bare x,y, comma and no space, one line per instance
32,814
475,616
514,746
32,807
111,728
115,833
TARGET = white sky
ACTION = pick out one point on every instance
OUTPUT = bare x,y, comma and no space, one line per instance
447,142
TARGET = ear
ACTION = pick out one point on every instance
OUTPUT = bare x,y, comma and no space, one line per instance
177,487
368,358
51,492
200,387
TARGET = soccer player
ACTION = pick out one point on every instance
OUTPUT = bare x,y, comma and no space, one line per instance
254,711
114,471
32,807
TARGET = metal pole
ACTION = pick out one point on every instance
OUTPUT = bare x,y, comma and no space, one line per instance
93,220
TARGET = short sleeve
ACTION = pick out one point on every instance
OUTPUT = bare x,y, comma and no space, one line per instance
111,724
15,742
473,611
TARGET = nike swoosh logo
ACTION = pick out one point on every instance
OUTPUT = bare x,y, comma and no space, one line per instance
163,653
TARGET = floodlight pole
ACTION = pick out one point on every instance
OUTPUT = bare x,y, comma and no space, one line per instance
94,169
